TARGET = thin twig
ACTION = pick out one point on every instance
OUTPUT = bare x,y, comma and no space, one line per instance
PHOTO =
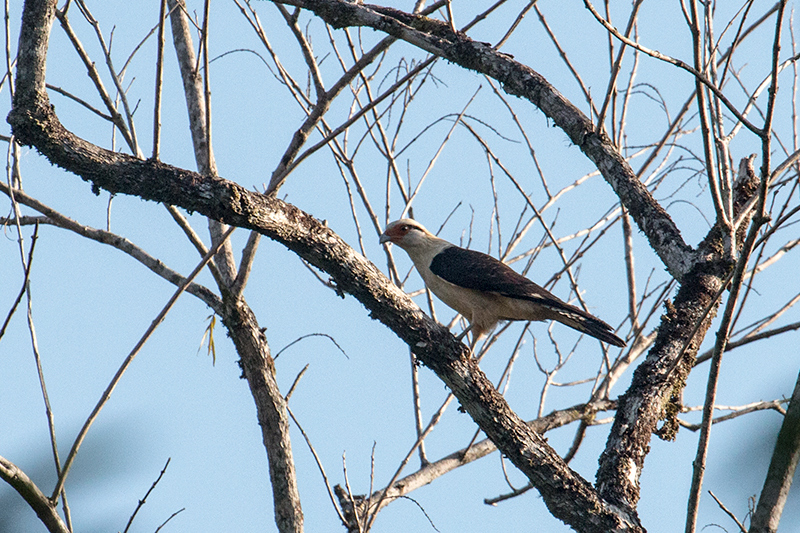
586,94
758,220
330,338
82,102
616,67
25,280
296,382
246,264
435,156
678,63
319,464
159,81
91,68
630,271
728,512
133,143
173,515
153,486
751,338
736,412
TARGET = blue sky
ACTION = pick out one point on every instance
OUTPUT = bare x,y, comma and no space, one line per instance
90,303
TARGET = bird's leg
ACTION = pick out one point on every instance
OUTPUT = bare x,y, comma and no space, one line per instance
472,343
463,333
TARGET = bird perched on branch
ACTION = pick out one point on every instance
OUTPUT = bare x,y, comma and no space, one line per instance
483,289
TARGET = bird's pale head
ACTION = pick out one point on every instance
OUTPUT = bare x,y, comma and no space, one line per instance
406,233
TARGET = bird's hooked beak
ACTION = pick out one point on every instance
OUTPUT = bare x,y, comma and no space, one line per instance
398,232
385,238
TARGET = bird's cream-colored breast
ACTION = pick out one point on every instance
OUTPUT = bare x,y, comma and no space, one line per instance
482,309
462,300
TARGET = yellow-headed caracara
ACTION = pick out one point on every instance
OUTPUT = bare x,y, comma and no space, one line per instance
483,289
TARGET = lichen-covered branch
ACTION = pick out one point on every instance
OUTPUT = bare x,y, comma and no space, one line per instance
657,382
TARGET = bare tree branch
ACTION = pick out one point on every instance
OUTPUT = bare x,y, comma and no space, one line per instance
44,508
781,470
238,318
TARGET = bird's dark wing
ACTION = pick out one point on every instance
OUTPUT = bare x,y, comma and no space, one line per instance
481,272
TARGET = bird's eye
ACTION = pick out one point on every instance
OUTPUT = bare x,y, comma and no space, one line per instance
405,228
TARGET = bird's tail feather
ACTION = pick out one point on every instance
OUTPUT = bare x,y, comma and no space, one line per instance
584,322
